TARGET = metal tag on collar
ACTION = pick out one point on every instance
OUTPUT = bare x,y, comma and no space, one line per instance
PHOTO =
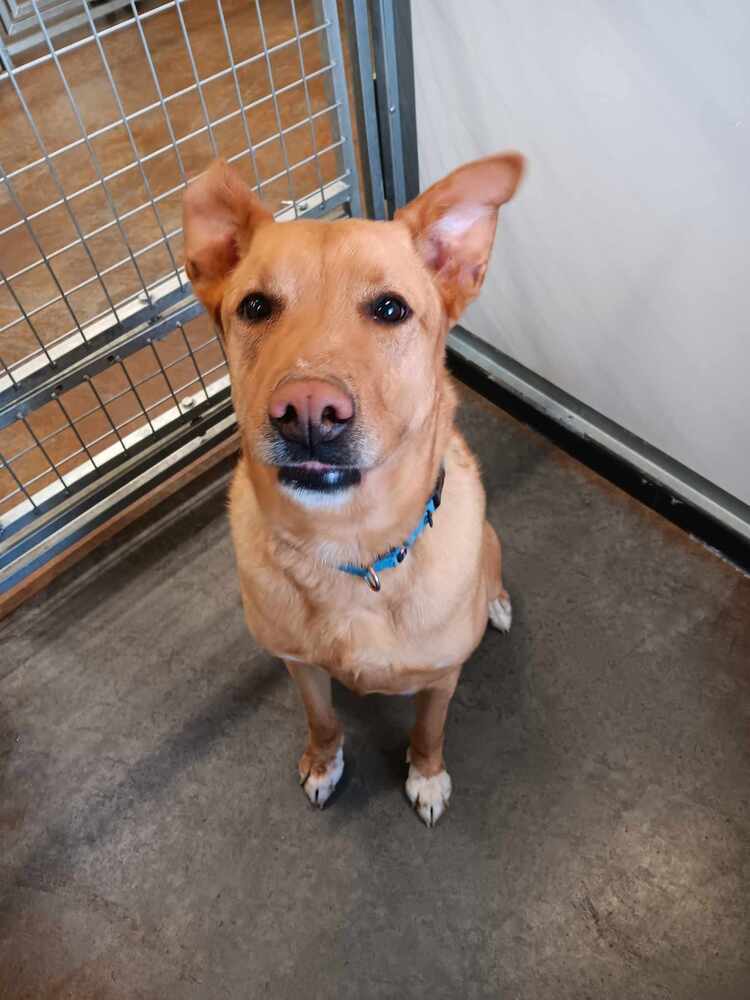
373,579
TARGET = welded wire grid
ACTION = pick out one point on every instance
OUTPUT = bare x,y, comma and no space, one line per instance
101,129
108,415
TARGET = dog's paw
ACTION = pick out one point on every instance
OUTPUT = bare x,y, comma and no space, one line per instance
501,613
429,796
319,780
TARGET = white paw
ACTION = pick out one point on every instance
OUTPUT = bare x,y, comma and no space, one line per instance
429,796
319,786
501,613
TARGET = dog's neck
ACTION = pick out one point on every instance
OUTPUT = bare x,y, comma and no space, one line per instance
378,514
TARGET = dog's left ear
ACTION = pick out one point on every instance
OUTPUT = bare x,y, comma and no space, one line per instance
453,225
219,215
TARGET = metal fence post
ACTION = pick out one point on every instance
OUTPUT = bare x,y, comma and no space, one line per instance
395,99
363,80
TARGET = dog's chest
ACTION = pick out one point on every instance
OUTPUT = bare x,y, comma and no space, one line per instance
384,649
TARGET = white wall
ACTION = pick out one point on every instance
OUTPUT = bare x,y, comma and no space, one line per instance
621,272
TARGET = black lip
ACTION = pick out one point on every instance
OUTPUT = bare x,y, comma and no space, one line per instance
342,453
328,480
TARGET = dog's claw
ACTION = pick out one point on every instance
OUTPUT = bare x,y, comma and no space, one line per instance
319,787
429,796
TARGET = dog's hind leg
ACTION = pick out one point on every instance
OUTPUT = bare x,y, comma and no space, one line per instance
322,763
499,608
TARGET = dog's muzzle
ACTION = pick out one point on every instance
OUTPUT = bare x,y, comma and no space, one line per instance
313,437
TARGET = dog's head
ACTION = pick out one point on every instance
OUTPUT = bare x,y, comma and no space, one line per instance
335,331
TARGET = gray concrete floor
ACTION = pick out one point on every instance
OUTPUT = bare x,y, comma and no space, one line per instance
154,842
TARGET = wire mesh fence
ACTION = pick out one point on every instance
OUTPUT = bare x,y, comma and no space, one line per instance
103,132
103,125
50,451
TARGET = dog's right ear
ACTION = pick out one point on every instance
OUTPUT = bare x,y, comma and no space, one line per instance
219,215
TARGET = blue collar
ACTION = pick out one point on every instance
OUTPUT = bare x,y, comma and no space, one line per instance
395,556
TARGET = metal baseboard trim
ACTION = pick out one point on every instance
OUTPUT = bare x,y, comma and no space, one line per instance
683,485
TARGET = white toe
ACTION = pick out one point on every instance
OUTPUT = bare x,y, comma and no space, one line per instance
429,796
501,613
319,787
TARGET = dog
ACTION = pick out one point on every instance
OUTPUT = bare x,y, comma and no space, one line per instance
357,510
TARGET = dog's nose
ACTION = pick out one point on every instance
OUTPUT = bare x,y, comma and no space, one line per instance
309,411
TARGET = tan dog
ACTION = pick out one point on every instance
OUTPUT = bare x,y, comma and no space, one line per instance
335,335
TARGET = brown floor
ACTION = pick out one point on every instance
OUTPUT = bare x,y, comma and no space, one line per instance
35,188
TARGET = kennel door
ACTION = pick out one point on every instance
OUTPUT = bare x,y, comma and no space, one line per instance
110,373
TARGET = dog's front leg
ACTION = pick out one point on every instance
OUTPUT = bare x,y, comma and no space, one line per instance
428,786
322,763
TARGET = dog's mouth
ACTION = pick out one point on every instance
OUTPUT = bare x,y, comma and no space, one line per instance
317,477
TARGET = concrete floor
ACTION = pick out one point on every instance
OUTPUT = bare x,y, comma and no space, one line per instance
155,843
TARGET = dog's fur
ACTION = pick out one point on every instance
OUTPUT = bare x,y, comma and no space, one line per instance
321,278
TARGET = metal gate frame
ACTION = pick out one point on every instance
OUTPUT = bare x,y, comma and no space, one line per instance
381,41
47,521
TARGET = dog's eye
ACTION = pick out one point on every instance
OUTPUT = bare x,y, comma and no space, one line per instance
255,307
390,309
